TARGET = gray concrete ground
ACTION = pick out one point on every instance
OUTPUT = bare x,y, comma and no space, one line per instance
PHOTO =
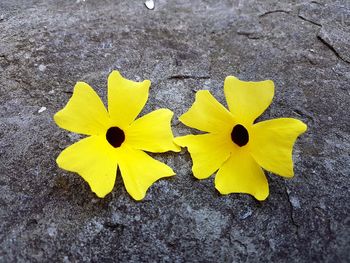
50,215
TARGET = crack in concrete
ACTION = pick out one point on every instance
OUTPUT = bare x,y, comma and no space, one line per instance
323,40
330,46
274,11
182,77
308,20
250,35
291,210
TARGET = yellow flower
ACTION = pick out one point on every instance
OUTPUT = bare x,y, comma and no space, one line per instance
235,145
116,139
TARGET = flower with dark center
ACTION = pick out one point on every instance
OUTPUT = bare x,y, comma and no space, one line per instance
115,139
236,146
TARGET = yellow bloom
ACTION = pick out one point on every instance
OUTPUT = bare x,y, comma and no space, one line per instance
235,145
115,137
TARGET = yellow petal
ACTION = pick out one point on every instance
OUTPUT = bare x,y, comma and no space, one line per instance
207,114
241,174
152,132
208,152
95,160
126,98
271,144
140,171
84,112
247,100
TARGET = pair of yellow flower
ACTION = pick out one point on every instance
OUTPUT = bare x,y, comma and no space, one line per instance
234,145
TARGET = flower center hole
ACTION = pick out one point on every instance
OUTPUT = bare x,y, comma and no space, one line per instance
239,135
115,136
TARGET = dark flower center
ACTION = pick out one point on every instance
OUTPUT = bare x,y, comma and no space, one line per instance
115,136
239,135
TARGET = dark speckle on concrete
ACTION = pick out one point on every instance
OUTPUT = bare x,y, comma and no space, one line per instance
50,215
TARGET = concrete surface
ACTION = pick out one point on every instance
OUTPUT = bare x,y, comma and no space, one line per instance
49,215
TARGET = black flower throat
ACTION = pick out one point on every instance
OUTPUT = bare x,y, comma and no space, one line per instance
239,135
115,136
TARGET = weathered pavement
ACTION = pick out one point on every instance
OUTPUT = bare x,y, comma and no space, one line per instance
48,214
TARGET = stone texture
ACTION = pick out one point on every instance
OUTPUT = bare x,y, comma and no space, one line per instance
50,215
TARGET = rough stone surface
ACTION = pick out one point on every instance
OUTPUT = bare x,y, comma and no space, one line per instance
50,215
